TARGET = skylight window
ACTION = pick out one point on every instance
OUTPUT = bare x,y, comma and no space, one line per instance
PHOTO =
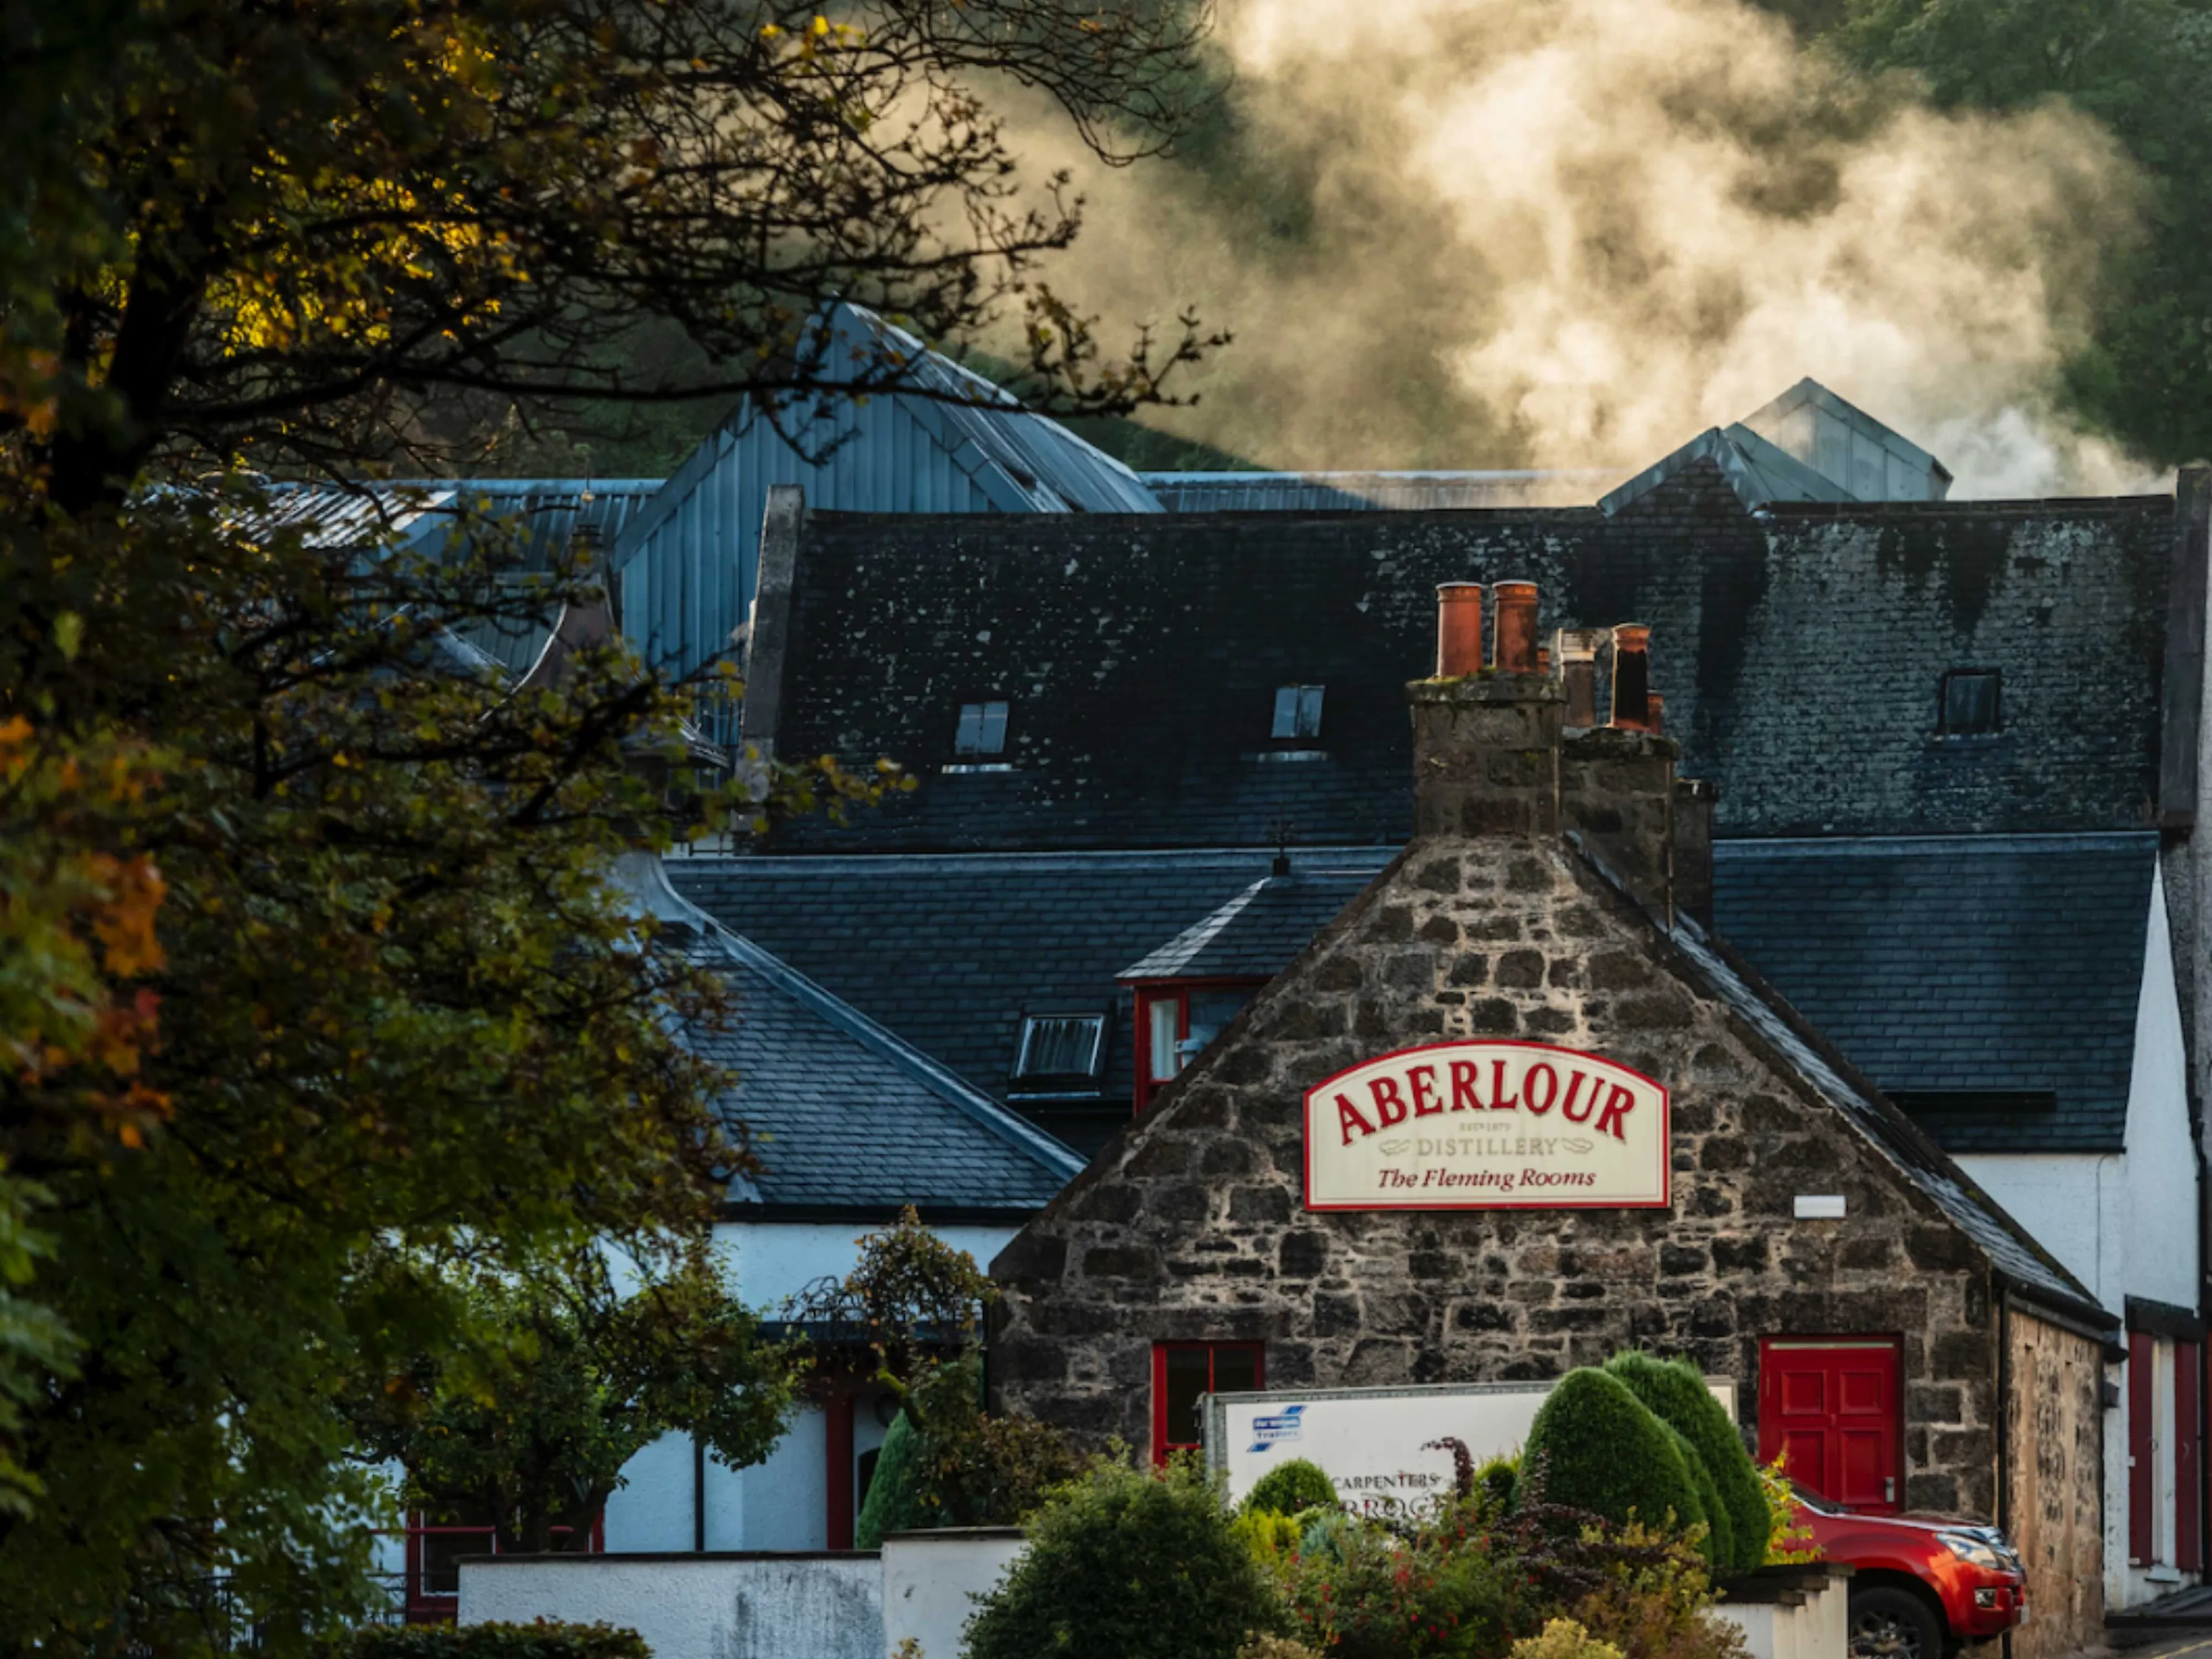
982,729
1971,707
1060,1050
1297,711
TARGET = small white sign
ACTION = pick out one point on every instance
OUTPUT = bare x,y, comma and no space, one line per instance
1487,1125
1820,1206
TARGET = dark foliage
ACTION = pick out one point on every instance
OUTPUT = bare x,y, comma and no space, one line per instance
542,1640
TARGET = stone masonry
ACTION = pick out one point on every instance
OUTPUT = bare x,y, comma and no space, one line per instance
1191,1224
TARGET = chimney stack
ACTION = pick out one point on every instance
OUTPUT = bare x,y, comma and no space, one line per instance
1632,676
1516,628
1459,629
1577,655
1486,746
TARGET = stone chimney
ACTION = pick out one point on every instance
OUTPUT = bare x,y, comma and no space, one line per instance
1485,741
1495,751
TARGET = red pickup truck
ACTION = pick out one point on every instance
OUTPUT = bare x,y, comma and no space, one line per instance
1922,1585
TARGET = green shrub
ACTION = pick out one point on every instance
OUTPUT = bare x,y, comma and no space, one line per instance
1129,1565
1447,1589
1290,1487
1654,1600
1268,1534
542,1640
1595,1447
1675,1394
1787,1541
947,1462
1498,1483
1563,1638
1714,1544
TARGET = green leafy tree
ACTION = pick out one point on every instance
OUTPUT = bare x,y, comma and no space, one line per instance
577,1373
403,1006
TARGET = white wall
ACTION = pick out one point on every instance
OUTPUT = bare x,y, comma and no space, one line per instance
698,1607
2125,1224
932,1579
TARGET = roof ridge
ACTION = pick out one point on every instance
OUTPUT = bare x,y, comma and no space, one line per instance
1047,858
940,1080
1197,935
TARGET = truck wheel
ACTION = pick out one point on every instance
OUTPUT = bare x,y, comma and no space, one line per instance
1888,1623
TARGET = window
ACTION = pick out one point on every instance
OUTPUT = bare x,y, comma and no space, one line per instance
436,1539
1183,1373
982,729
1971,707
1176,1020
1297,711
1059,1051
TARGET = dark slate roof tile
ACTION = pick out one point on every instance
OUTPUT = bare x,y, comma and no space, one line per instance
1988,965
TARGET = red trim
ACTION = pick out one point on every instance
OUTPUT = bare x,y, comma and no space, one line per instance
2142,1484
1664,1201
1150,991
837,1456
2188,1480
1162,1445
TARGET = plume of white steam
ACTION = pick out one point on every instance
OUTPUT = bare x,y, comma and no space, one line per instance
1574,232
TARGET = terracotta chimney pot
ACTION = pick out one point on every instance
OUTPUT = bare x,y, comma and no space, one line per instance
1576,652
1632,676
1459,629
1516,628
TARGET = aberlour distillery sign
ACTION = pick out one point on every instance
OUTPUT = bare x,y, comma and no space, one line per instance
1487,1125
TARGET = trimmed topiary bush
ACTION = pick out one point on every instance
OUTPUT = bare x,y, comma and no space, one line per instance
1715,1547
1288,1488
1498,1483
1673,1392
1595,1447
542,1640
1129,1565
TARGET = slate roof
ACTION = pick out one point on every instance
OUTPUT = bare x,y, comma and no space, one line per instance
1800,649
843,1115
948,951
2010,1248
1257,933
1980,965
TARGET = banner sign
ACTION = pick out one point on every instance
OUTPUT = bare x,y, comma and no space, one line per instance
1487,1125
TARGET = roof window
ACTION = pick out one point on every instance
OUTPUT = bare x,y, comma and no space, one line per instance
982,729
1059,1051
1297,711
1970,705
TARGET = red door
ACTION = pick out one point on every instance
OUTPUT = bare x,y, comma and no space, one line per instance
1830,1405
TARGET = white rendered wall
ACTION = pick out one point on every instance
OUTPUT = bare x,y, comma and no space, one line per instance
2125,1224
775,1259
932,1579
698,1607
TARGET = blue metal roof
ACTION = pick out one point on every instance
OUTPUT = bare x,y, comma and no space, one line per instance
956,443
1374,492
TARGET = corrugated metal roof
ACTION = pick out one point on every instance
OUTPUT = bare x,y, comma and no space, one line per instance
688,562
1374,492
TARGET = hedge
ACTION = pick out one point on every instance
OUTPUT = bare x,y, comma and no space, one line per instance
1675,1393
1717,1547
542,1640
1595,1447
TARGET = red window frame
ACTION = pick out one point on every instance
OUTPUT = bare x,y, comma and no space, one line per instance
1162,1447
419,1606
1177,991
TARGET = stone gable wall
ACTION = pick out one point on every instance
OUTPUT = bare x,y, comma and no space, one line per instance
1191,1225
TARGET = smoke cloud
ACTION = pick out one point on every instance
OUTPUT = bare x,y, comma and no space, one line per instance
1575,233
